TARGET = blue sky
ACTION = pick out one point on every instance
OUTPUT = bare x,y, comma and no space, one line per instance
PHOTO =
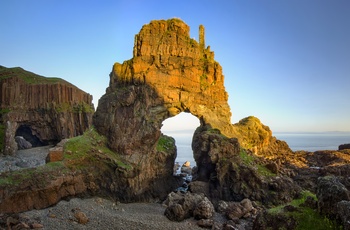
285,62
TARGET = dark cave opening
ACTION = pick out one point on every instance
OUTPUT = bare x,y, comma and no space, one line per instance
26,132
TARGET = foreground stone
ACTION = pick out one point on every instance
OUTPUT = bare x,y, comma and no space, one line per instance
329,192
181,206
55,154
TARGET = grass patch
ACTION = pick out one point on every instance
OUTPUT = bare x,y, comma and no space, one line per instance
247,159
77,108
306,217
42,173
90,147
262,170
28,77
250,160
165,143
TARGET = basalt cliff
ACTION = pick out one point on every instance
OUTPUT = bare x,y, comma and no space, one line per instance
42,110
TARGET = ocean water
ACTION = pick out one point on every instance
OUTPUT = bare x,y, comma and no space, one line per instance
314,141
296,141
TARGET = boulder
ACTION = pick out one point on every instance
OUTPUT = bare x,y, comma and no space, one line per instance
237,210
55,154
175,212
189,203
329,192
204,210
22,143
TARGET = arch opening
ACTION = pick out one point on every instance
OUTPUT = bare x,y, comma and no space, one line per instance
182,127
26,132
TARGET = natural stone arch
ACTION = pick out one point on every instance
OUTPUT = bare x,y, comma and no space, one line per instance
169,73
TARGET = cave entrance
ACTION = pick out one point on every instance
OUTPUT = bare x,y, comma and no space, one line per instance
26,132
181,127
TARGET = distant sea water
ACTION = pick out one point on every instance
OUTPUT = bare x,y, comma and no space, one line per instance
296,141
314,141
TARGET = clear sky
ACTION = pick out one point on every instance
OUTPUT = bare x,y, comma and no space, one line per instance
285,62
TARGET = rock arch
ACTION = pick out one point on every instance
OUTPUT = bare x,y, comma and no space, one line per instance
172,73
168,74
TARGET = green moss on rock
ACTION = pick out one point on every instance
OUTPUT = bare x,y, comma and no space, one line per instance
165,143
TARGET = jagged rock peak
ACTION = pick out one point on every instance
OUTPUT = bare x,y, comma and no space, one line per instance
169,37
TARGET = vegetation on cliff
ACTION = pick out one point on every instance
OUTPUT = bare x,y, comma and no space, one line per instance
80,153
28,77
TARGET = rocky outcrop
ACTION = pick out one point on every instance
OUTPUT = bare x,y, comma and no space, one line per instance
233,173
257,137
329,192
41,192
344,146
181,206
42,110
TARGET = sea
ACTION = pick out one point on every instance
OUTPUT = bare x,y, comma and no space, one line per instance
308,141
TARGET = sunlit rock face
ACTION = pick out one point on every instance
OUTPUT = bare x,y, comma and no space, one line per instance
168,74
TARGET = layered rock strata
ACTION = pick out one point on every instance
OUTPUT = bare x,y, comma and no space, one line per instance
42,110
